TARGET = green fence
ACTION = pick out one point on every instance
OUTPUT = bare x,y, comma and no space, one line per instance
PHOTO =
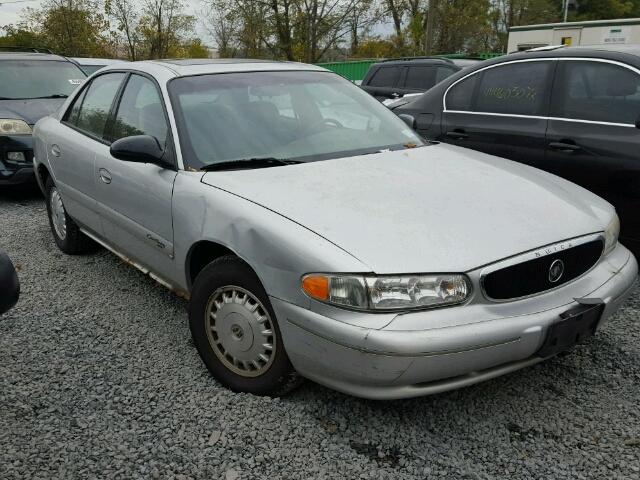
356,70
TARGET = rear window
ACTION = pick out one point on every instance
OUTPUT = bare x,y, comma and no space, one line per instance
25,79
385,77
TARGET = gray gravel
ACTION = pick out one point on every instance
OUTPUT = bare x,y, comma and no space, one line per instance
99,379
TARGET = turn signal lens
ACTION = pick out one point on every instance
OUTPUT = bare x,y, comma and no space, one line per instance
316,286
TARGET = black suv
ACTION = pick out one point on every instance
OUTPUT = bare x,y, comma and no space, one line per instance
32,85
397,77
572,111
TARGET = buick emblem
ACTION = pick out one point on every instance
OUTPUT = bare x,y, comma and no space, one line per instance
556,270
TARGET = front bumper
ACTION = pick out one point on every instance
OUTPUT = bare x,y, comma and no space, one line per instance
428,352
11,173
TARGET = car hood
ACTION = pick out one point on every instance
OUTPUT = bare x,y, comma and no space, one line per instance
30,110
438,208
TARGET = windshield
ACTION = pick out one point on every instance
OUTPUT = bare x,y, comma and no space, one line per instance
22,79
293,115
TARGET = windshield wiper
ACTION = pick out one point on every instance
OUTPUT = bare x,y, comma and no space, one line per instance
248,163
55,95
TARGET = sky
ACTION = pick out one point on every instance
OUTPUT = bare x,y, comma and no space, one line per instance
11,13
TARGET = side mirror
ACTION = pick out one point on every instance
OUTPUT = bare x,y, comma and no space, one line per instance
409,120
9,284
638,122
139,149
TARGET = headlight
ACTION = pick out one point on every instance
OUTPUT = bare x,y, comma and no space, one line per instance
379,293
611,235
9,126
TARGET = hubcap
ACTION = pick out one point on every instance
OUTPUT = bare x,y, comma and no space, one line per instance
58,216
240,331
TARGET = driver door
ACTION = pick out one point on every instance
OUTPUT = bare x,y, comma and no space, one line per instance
135,199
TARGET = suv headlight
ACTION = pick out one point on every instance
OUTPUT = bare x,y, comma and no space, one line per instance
387,292
611,234
10,126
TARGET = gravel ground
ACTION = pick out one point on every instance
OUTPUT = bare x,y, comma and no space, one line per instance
99,379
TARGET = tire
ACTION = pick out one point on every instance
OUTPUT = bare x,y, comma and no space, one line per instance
65,231
227,319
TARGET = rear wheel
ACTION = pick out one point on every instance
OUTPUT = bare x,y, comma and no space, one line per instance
236,332
66,232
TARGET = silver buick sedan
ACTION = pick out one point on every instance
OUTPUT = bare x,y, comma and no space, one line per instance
318,236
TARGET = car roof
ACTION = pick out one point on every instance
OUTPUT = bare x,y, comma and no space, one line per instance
582,50
96,61
32,56
188,67
414,61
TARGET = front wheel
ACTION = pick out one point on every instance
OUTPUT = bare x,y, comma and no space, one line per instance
236,332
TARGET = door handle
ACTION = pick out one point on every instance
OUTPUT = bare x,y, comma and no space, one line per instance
55,150
564,147
457,134
105,176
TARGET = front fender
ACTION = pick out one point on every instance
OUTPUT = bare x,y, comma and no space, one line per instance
279,250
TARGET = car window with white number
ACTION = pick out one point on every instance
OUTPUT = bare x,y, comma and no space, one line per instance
519,88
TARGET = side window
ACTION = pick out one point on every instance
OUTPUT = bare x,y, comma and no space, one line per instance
516,88
420,77
72,114
460,96
94,112
140,111
597,91
385,77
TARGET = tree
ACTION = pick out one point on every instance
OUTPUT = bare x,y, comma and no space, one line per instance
505,14
605,9
164,26
126,17
71,27
21,35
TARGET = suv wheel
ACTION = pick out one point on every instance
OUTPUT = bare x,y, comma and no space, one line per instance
66,232
236,331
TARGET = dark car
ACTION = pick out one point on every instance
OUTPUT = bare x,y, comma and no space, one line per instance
397,77
32,85
571,111
9,285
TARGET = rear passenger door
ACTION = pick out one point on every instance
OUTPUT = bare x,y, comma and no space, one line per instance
72,148
592,139
501,110
135,199
384,82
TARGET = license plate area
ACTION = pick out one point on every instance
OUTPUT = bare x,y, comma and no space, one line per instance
574,327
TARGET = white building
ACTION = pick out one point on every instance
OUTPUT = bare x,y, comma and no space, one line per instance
598,32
